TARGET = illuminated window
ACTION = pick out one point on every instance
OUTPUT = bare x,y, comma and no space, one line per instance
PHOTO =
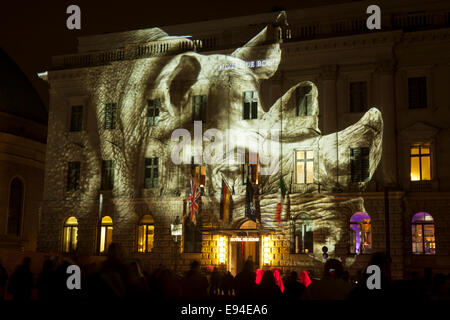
70,234
192,236
15,207
417,93
153,108
304,101
110,116
250,105
423,240
106,230
76,118
151,173
302,234
420,163
73,176
108,167
250,168
304,166
360,233
359,164
146,234
358,96
199,108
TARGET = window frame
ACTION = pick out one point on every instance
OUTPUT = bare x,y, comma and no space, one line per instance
153,112
252,112
304,220
201,103
151,168
309,101
250,170
352,246
146,226
421,96
360,160
105,226
420,156
79,123
422,225
305,160
70,228
110,113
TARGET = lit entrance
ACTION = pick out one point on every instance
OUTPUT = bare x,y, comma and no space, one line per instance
244,245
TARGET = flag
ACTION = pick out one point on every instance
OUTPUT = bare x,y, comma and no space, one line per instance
194,198
249,207
281,200
225,202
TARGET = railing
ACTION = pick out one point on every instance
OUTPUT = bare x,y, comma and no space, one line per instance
299,32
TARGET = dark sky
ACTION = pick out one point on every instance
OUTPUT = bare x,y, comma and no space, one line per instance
33,31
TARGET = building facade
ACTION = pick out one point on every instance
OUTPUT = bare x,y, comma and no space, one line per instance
23,129
354,122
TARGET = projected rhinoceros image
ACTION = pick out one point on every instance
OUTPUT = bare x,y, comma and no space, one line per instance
155,97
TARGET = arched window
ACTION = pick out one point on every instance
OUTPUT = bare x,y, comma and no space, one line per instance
302,234
105,233
423,240
192,236
15,207
146,233
70,235
360,233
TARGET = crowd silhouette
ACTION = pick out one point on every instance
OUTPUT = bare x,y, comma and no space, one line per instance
117,276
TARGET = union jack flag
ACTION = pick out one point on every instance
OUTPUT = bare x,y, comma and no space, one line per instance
194,198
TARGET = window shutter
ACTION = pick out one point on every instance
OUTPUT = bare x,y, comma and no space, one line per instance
246,110
254,109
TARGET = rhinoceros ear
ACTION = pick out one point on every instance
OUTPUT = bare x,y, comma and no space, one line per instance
182,78
263,51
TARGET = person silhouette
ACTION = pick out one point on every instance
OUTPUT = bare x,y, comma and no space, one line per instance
21,281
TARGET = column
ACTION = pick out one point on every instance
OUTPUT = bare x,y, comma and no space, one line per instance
328,77
387,108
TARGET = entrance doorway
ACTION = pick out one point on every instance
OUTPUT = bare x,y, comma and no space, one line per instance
248,248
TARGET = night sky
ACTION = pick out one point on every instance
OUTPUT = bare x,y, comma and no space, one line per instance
33,31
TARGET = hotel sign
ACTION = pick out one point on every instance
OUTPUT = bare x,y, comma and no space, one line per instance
244,239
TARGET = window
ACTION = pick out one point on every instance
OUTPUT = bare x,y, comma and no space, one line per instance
153,107
73,176
304,164
151,173
250,105
359,164
15,207
304,101
70,233
110,116
192,236
106,229
423,240
146,234
417,93
250,168
302,234
76,118
358,96
360,233
420,163
108,167
199,108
